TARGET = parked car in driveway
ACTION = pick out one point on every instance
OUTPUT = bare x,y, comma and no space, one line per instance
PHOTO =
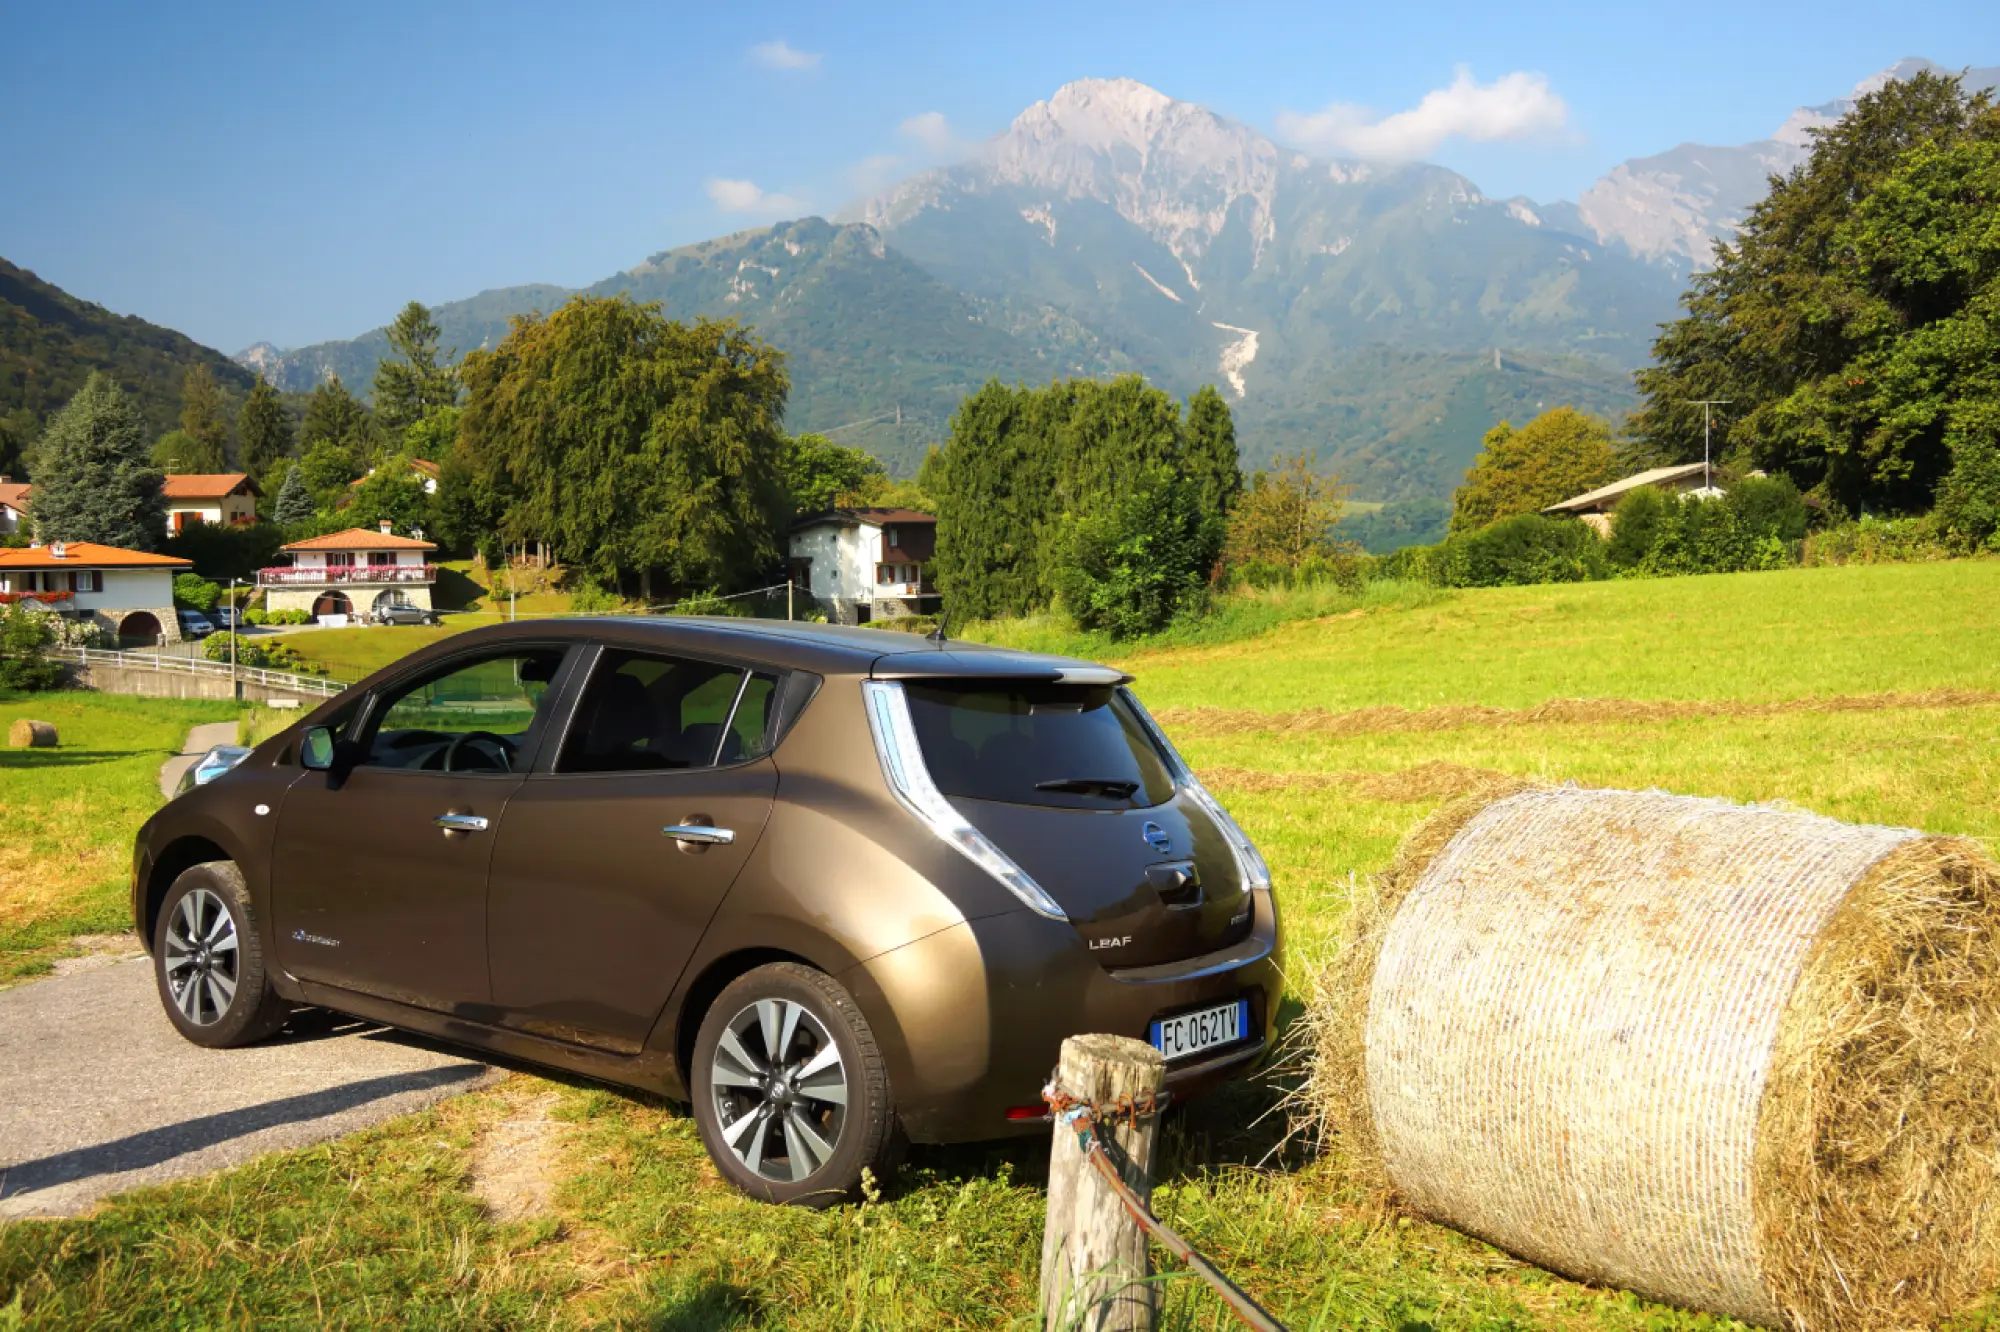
194,624
226,617
834,886
406,614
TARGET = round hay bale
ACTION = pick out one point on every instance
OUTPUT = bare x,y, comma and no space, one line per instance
1739,1059
25,734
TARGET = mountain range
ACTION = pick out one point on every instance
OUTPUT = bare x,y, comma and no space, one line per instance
1380,315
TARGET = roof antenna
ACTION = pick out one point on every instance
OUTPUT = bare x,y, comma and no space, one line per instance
937,635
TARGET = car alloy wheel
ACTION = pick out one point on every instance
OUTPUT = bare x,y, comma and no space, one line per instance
202,962
780,1090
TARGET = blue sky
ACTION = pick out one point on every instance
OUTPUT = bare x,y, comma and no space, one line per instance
294,172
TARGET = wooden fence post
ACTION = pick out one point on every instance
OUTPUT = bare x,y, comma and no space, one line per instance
1094,1264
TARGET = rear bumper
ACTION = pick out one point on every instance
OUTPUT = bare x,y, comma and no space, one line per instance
971,1019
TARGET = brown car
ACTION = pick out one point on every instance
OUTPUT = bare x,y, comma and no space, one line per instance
833,886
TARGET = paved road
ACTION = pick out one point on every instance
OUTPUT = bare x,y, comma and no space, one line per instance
200,740
99,1093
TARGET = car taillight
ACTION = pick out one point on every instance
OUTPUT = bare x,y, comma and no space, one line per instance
1256,874
903,765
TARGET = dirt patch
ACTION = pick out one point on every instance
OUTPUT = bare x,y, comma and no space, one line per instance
98,950
1555,712
1436,780
517,1163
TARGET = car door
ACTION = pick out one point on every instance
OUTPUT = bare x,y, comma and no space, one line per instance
611,863
379,870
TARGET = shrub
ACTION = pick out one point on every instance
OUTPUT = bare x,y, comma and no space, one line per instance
193,592
1769,507
1968,499
587,598
25,638
1527,548
1138,562
1635,526
257,653
254,617
1877,541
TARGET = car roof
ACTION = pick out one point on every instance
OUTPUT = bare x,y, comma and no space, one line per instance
825,649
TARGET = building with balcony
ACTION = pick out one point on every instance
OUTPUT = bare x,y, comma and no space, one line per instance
222,499
866,564
129,592
352,573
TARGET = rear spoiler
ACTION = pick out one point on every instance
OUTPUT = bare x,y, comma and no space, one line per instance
993,665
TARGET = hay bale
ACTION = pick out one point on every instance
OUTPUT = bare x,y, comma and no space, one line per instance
25,734
1738,1059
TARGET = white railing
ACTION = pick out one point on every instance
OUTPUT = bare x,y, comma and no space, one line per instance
351,573
155,661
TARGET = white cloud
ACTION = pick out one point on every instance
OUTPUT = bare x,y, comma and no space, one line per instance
781,54
1514,106
745,196
930,130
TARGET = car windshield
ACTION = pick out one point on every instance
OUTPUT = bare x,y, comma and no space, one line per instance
1028,743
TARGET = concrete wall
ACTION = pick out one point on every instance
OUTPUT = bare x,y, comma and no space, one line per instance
148,683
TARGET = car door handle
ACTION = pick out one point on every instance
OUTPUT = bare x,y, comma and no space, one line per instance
700,833
461,822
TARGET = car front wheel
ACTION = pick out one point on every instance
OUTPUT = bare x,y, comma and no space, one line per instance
208,960
791,1095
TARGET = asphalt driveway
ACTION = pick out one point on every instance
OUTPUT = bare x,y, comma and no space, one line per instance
99,1093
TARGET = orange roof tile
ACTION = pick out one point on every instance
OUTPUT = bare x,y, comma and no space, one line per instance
360,538
206,485
14,494
88,555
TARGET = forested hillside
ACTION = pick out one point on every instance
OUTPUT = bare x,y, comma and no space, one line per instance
50,342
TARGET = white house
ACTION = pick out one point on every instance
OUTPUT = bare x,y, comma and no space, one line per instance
866,564
13,505
1594,506
129,592
221,499
356,572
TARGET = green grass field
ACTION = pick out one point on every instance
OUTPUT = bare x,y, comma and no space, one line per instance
1329,739
70,812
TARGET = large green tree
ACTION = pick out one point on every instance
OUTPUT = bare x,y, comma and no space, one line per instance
1558,455
1855,323
820,473
205,421
414,380
94,477
335,416
265,428
632,443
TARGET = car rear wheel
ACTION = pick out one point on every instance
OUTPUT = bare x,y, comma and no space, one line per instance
791,1095
208,960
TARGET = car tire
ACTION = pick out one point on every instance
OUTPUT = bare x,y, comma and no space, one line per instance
208,960
807,1150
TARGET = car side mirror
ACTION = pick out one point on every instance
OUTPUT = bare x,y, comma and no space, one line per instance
316,749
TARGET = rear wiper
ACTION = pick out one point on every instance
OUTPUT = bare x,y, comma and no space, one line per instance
1117,790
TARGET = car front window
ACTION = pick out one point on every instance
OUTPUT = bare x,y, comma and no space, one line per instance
476,717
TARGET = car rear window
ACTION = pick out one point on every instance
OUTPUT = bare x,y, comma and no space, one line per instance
1062,745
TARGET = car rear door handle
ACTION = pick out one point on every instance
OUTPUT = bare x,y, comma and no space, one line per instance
461,822
700,833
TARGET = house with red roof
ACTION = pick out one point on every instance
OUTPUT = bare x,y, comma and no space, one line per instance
13,506
863,564
129,592
353,573
222,499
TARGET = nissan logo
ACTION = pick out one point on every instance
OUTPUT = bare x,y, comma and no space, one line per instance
1156,837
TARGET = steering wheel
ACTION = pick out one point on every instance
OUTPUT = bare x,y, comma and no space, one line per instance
497,748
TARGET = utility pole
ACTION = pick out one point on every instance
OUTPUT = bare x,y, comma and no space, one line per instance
235,632
788,596
1707,470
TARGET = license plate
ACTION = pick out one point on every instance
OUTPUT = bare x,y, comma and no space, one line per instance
1191,1033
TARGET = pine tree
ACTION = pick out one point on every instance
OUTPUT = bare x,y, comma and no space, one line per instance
335,416
94,480
412,384
295,502
1213,462
204,422
265,428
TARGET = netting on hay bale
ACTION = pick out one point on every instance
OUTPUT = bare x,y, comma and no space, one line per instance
1740,1059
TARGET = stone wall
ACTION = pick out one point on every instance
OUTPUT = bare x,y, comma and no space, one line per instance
149,683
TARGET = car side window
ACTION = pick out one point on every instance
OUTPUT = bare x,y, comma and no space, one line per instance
643,712
472,717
